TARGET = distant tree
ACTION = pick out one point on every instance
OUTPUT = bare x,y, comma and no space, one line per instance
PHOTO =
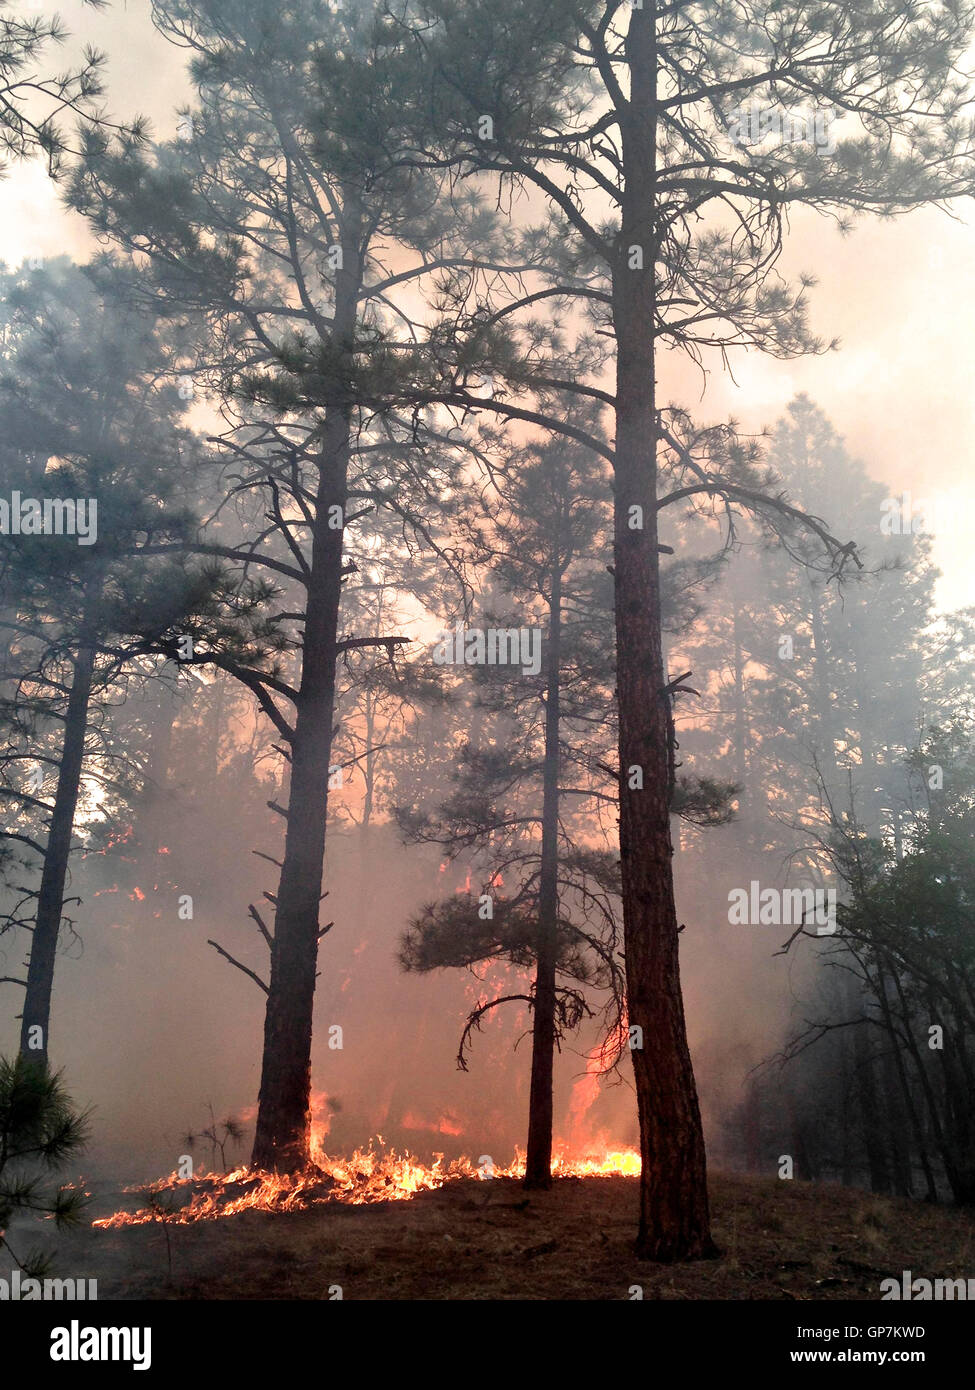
810,678
907,933
813,703
90,417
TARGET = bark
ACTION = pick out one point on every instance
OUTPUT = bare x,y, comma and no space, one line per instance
50,900
538,1161
282,1134
674,1215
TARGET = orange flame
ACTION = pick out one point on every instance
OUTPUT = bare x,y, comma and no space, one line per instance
370,1175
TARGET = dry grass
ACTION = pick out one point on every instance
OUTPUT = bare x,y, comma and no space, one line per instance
492,1240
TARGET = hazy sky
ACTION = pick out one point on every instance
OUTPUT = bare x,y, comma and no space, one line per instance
898,294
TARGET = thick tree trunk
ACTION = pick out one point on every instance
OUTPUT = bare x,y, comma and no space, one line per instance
282,1134
674,1215
538,1160
36,1018
283,1118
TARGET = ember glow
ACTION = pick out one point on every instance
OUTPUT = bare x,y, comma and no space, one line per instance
368,1176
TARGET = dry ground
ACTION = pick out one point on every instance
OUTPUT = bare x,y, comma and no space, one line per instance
491,1240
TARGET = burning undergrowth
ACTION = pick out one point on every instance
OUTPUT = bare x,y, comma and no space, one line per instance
368,1176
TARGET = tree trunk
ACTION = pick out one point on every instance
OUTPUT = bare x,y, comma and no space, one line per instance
931,1194
34,1044
896,1090
674,1216
740,735
822,699
935,1117
751,1117
804,1169
538,1160
282,1134
877,1164
165,712
847,1109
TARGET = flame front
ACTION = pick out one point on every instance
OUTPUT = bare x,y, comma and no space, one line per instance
368,1176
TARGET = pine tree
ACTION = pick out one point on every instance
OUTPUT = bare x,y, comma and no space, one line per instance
93,430
623,119
309,291
527,797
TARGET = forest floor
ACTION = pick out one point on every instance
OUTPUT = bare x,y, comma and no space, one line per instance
491,1240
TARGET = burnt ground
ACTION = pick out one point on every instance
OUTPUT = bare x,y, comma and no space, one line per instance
491,1240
